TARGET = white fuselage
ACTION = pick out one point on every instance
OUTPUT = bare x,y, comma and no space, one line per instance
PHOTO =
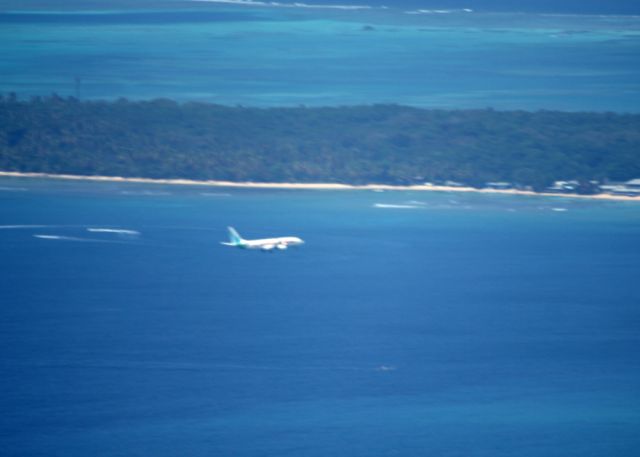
266,244
282,242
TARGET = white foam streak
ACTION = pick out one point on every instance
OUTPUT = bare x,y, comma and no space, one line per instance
149,365
13,227
463,10
73,238
289,5
392,206
110,230
215,194
145,192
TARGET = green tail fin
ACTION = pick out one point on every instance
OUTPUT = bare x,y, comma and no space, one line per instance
234,236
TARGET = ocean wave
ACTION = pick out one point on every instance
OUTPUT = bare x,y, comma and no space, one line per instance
291,5
583,15
453,11
191,366
395,206
14,227
13,189
275,4
145,192
73,238
89,229
215,194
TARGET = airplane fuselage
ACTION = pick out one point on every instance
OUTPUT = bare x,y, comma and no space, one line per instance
271,243
265,244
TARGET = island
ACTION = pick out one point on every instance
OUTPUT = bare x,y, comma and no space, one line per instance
552,152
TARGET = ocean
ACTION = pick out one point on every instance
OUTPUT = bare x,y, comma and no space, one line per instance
410,323
570,55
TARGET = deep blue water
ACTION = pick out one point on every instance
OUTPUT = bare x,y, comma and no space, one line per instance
459,325
446,54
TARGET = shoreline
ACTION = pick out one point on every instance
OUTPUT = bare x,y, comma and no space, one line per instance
309,186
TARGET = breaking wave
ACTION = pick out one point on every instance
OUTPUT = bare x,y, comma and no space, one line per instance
395,206
292,5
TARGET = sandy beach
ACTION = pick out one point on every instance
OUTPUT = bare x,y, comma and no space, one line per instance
308,186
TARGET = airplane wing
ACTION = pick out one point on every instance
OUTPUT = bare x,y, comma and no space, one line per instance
267,247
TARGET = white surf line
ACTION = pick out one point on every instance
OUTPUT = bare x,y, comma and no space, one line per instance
291,5
315,186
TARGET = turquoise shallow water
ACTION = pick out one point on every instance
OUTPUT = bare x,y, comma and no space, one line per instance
291,56
409,324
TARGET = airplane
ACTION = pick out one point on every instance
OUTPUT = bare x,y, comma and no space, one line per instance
265,244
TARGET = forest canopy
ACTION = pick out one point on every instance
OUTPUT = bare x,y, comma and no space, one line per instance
387,144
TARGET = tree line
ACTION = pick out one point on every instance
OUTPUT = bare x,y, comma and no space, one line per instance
387,144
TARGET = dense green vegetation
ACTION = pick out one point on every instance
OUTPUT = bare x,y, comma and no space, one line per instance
361,144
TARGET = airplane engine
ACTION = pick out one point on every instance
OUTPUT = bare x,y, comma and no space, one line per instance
282,247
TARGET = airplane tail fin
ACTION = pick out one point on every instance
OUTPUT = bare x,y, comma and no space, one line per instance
234,236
